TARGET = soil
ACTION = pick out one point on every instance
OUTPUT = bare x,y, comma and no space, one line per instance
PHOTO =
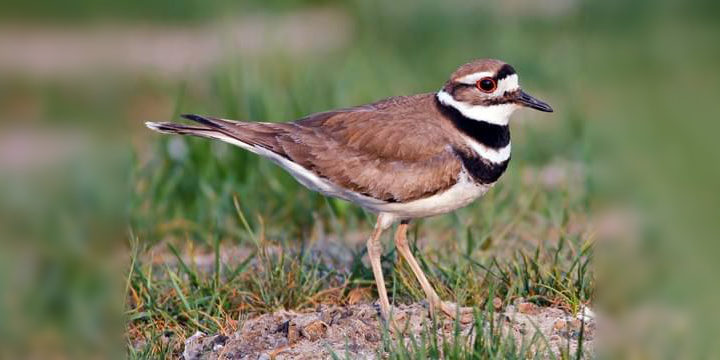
354,332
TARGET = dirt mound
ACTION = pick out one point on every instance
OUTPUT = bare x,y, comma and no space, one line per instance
354,332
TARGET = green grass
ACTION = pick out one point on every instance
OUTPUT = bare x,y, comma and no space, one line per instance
521,240
602,65
631,82
183,299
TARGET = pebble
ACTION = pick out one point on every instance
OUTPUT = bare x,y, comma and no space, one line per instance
528,308
497,303
315,330
293,335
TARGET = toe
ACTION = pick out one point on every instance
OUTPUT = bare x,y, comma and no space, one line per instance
464,314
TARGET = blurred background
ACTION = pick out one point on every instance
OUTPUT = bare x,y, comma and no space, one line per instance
632,147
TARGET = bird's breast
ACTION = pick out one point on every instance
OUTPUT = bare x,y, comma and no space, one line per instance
483,170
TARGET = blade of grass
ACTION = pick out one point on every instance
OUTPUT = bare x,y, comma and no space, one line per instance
176,285
191,274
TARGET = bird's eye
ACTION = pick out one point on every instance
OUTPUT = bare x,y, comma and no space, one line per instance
486,84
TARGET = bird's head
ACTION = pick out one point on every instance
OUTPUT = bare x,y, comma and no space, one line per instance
487,90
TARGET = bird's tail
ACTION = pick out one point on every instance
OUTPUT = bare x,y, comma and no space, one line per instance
210,128
213,128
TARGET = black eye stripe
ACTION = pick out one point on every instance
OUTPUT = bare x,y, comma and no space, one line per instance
505,71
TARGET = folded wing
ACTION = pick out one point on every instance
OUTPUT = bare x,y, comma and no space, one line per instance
387,151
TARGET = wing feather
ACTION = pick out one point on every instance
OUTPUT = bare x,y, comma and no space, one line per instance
394,150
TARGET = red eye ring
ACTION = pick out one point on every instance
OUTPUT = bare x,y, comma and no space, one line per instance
486,84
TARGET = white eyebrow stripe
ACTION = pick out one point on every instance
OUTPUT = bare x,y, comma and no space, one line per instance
509,83
471,79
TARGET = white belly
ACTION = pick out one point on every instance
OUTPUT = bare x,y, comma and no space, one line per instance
459,195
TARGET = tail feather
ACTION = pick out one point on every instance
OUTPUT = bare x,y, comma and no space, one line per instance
213,127
249,136
200,119
173,128
211,132
210,121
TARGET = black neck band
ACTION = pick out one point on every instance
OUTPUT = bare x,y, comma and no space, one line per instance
490,135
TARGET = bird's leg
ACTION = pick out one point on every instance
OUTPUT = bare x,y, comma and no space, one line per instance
434,301
374,249
404,250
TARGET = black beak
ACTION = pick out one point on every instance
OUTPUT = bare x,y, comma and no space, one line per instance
526,100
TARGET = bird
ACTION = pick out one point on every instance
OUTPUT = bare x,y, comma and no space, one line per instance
402,158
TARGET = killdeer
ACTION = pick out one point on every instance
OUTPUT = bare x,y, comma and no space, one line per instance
403,157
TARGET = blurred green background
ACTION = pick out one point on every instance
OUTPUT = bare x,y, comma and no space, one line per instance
634,85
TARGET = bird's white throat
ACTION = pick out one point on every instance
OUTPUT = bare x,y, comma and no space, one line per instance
494,114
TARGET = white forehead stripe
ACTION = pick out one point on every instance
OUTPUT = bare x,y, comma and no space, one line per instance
494,114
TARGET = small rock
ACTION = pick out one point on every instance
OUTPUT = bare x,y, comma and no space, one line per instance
293,335
315,330
528,308
193,346
166,337
218,342
199,345
283,328
358,295
330,315
586,314
346,314
497,303
372,337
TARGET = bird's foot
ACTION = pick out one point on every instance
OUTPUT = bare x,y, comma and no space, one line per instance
455,312
398,323
395,320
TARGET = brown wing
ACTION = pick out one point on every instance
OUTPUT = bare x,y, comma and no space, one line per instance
393,150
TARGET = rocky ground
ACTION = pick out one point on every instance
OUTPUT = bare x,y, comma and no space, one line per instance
354,332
